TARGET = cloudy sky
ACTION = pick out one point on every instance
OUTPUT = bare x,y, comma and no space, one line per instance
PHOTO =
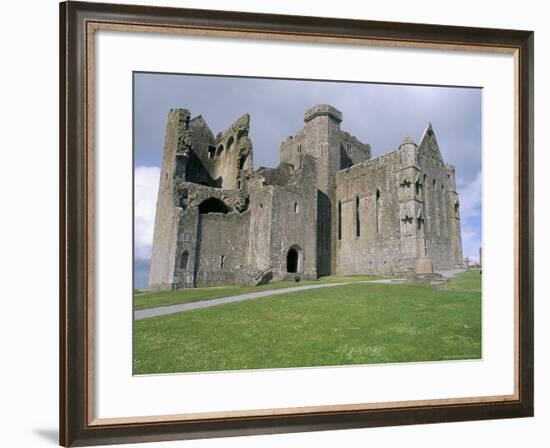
378,114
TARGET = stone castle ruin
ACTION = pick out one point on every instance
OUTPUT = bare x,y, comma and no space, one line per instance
329,208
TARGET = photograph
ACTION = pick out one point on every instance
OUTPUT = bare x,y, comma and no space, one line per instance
281,223
291,223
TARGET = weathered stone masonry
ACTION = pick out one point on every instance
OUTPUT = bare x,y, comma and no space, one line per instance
328,208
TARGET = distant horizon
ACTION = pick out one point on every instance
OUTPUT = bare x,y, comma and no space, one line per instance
381,115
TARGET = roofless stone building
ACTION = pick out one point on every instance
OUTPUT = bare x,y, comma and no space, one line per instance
328,208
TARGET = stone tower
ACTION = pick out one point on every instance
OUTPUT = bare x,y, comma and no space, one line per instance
322,130
176,146
332,150
412,212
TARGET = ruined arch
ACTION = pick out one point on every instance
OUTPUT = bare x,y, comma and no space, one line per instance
242,133
219,151
229,144
241,161
213,205
294,259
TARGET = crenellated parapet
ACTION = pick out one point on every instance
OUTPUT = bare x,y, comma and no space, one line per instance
323,110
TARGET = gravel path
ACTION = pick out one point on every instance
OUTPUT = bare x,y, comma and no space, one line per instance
451,272
171,309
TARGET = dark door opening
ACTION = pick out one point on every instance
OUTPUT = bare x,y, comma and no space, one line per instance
292,261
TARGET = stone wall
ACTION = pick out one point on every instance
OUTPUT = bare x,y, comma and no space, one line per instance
186,257
222,248
396,209
352,151
261,221
293,223
454,224
190,235
367,199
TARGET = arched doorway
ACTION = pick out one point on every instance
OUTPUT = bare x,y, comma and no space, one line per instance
213,205
293,260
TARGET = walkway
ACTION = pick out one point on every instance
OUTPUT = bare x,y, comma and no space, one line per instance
450,272
171,309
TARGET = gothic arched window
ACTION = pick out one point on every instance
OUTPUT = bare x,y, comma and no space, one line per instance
184,261
357,218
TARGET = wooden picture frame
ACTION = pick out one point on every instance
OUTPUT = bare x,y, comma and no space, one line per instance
78,22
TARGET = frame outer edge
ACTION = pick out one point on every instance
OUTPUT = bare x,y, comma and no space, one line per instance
526,230
63,436
74,429
73,199
299,24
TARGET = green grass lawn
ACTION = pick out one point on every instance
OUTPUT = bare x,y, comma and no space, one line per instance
470,281
144,300
360,323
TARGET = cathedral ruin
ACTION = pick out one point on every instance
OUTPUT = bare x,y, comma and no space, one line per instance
329,208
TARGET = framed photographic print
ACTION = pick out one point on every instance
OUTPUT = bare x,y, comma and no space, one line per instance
278,224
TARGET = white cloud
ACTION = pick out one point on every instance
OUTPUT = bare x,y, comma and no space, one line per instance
146,182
